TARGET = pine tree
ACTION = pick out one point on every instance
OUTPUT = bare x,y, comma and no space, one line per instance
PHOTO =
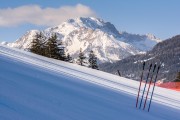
69,58
51,47
81,58
61,52
92,60
178,77
42,47
37,45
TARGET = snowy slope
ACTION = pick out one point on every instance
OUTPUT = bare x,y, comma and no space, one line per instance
38,88
92,34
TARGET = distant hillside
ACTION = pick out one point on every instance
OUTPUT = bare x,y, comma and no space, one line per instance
166,52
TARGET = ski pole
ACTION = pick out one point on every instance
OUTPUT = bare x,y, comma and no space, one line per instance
119,73
145,86
153,88
140,85
149,86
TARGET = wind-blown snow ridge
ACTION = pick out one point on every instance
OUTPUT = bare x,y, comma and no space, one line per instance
93,34
31,82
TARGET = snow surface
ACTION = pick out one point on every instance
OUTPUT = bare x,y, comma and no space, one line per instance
38,88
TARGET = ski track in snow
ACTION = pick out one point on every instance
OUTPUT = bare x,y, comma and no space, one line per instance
120,91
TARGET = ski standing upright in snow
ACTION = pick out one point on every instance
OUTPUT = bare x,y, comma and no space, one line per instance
145,85
153,87
149,87
140,84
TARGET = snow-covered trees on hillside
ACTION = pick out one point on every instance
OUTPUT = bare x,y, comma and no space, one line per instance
81,58
61,52
37,45
69,58
92,60
50,48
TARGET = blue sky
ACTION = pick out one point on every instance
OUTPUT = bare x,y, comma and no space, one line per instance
159,17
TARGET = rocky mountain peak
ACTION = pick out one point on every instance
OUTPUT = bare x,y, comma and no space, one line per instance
90,33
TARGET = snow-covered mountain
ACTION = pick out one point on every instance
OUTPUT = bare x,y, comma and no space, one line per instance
34,87
142,42
93,34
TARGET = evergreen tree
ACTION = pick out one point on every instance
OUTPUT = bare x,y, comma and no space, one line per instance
69,58
37,45
61,52
92,60
81,58
178,77
51,47
42,40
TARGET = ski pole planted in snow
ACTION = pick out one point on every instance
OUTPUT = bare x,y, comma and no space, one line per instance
149,86
140,85
145,85
153,87
119,73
